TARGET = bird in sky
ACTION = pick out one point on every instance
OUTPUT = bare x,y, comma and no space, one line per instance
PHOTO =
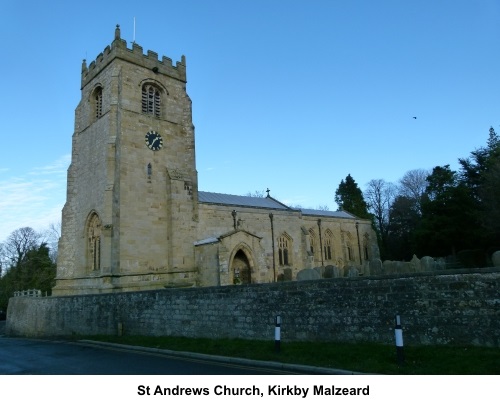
414,118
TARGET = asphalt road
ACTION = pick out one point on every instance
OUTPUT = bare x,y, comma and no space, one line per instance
60,357
42,357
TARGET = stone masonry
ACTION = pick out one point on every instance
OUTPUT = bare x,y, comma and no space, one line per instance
460,308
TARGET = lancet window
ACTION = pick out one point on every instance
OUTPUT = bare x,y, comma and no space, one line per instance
94,242
312,242
284,249
328,248
347,243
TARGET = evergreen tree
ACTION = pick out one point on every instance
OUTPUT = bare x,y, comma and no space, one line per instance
349,197
490,212
477,165
493,140
480,173
449,223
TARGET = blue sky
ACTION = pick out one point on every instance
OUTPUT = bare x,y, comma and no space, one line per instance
291,95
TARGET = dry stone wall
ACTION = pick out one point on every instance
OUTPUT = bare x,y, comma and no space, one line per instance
444,308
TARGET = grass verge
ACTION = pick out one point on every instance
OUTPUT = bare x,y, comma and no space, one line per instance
358,357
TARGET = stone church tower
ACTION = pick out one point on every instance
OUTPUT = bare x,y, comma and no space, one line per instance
132,178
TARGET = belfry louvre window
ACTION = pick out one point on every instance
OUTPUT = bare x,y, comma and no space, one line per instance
151,100
96,101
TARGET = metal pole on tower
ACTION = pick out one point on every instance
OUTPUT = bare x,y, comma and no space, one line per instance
134,32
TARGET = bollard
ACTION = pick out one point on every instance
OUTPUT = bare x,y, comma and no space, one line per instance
398,332
277,334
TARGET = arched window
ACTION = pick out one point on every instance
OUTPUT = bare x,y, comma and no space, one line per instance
328,245
347,243
96,102
94,242
151,100
284,249
312,242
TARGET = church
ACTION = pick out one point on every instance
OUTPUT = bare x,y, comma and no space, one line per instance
134,218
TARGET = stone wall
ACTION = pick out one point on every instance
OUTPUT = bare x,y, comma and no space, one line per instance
445,308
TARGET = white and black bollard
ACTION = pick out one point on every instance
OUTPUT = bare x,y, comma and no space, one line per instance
277,334
398,332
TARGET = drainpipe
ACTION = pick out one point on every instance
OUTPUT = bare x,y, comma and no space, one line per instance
272,239
234,218
320,244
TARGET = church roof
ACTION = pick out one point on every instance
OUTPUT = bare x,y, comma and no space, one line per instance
240,200
334,214
207,197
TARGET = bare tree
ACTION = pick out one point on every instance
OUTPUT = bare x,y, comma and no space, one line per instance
19,243
256,193
379,196
3,260
413,184
51,237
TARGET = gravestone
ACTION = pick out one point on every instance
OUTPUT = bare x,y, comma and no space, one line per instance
353,272
440,264
388,267
427,263
309,274
495,258
328,273
337,272
375,267
415,266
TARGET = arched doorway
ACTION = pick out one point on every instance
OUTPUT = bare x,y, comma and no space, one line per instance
241,268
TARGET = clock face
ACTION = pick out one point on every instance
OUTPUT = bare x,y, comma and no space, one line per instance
153,140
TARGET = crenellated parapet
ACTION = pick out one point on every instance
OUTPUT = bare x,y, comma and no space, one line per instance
118,49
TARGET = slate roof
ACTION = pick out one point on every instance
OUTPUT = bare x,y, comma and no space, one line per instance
240,200
206,241
215,239
207,197
333,214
